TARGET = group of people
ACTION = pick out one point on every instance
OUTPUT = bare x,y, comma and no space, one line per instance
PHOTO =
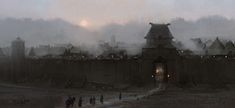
71,100
93,100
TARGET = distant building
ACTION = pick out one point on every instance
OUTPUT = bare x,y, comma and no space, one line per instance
32,52
159,53
18,49
229,48
216,48
1,53
160,62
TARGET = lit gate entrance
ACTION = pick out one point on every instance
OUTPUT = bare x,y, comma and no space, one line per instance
160,73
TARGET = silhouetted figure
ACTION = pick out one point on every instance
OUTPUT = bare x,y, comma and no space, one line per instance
72,101
101,99
69,102
80,102
120,96
91,100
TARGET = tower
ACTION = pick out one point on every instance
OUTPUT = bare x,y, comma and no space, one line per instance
18,49
159,43
1,53
159,36
159,54
32,52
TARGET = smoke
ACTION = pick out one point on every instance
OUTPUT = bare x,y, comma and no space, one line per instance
129,35
206,28
53,32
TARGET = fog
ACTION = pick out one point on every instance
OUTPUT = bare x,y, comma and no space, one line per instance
60,21
58,31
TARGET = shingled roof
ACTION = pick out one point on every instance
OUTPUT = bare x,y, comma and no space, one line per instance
229,45
217,44
159,31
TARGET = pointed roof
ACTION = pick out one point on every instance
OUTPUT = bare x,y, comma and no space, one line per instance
159,31
229,45
217,44
32,52
18,39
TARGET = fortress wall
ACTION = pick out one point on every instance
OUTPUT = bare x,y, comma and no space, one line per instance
59,70
220,70
193,69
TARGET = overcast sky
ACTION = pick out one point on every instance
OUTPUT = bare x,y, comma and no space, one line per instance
95,13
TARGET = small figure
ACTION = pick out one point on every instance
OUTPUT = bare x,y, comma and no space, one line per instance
91,100
94,100
101,99
80,102
120,96
72,101
68,102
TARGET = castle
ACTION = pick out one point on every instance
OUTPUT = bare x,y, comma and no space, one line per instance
160,61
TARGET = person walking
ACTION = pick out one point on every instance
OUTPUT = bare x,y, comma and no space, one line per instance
91,99
68,102
101,99
94,99
80,102
120,96
72,101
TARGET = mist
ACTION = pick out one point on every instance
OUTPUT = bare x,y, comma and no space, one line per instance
131,34
206,28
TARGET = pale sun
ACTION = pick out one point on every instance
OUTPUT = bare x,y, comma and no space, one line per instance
84,23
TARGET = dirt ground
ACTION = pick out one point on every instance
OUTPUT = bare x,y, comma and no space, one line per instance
12,96
186,98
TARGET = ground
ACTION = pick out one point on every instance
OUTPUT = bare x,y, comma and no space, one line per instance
185,98
12,96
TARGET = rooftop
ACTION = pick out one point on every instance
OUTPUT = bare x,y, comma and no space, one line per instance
159,31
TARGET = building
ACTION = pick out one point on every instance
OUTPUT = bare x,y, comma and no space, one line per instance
32,53
159,53
1,53
216,48
18,49
159,62
229,48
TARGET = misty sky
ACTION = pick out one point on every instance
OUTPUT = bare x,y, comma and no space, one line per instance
95,13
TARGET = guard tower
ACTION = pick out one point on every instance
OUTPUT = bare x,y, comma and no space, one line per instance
18,49
159,55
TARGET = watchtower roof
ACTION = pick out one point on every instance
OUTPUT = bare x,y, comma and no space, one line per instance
159,31
229,45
